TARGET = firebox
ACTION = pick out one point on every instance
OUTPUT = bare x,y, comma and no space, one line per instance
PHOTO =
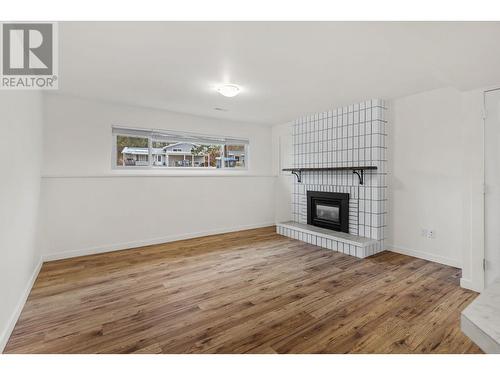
328,210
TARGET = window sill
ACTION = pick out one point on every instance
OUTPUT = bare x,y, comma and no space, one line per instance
173,169
162,173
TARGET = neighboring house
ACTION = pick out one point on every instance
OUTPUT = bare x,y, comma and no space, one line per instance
180,155
233,158
136,156
236,157
175,155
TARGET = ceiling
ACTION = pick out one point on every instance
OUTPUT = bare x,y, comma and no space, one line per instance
286,69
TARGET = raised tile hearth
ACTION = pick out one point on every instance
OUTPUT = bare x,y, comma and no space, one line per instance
346,243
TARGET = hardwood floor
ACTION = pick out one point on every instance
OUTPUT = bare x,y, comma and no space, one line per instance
245,292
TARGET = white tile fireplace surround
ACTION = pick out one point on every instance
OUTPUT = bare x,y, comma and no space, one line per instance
351,136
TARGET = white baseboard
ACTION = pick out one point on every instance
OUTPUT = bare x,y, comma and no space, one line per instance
424,255
154,241
4,337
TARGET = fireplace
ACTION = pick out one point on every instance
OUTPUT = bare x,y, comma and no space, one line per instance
328,210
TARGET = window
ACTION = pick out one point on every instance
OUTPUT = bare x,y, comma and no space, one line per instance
141,148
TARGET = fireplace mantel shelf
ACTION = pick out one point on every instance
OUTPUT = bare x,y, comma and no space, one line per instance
358,170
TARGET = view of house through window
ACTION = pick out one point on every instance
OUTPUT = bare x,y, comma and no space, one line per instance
234,156
148,148
132,151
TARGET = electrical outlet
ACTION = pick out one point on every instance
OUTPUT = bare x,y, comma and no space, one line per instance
428,233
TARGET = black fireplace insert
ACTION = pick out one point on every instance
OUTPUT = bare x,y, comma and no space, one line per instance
328,210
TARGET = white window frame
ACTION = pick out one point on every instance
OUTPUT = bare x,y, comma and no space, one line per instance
154,134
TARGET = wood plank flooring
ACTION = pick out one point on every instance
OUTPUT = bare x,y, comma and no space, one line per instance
245,292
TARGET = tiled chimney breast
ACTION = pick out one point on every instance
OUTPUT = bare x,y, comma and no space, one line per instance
344,137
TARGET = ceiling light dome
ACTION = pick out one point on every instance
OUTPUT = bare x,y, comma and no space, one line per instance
229,90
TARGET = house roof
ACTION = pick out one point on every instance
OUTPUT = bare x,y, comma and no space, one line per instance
158,151
235,153
142,151
180,143
135,150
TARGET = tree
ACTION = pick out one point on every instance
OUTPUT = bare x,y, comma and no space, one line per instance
207,150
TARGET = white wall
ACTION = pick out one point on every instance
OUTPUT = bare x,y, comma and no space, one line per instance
435,148
90,208
21,158
427,185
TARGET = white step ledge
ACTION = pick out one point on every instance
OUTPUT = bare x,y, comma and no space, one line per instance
480,320
329,234
360,242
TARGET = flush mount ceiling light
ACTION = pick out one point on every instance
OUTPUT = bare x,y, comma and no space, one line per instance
229,90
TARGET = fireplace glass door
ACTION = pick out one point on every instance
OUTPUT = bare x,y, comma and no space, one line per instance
328,210
328,213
